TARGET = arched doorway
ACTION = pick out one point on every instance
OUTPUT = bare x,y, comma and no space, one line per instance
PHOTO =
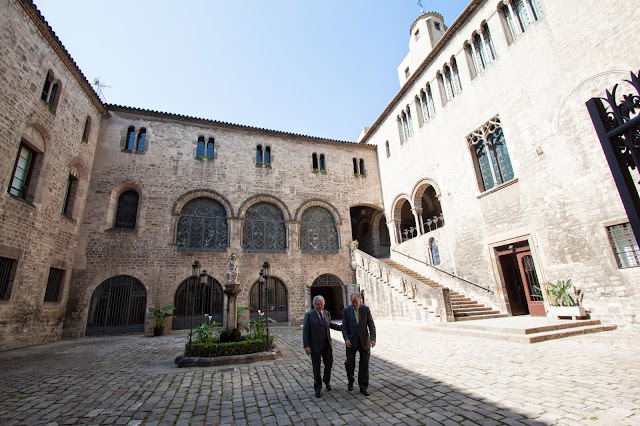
194,299
117,306
363,229
331,288
275,298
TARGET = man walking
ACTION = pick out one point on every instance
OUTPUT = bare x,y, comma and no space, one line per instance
316,339
359,334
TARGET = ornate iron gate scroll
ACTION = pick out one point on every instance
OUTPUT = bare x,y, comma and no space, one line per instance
617,124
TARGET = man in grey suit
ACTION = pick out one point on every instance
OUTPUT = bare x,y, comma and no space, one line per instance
316,339
359,334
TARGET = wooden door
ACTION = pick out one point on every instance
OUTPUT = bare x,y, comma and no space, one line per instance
535,301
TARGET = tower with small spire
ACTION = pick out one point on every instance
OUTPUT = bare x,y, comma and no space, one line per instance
425,33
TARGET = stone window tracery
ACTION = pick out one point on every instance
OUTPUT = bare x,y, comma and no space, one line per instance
490,155
318,232
264,229
133,143
202,225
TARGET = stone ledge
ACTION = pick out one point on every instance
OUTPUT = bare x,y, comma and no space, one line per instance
185,361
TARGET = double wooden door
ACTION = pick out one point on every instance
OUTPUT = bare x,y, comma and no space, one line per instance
521,279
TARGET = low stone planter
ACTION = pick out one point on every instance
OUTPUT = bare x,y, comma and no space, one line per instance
186,361
574,312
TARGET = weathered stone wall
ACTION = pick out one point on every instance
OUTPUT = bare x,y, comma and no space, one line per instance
35,233
563,196
168,174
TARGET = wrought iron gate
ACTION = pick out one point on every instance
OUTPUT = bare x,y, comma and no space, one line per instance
117,306
194,299
617,124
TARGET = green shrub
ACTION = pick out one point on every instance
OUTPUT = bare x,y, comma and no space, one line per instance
226,349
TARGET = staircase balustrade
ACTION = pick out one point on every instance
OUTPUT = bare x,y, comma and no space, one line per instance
435,300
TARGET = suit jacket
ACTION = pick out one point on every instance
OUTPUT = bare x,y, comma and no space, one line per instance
363,331
314,333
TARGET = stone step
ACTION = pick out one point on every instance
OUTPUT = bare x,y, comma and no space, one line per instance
535,337
479,317
478,308
530,330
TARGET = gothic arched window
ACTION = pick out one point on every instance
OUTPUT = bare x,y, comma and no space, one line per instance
264,229
318,233
202,225
127,210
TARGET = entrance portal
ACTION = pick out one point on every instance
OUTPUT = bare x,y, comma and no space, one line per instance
117,306
331,288
521,279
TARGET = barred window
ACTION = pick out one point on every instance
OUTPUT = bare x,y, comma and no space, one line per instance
490,155
7,274
264,229
318,232
127,210
54,285
625,245
202,225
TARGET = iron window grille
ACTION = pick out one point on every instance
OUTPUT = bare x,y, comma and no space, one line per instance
54,285
318,232
625,245
202,226
264,229
7,275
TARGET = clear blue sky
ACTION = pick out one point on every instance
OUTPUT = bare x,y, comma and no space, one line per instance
324,68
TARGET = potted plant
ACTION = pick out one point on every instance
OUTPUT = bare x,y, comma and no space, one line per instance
564,299
161,315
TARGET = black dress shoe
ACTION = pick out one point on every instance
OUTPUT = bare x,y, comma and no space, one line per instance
317,394
328,386
350,386
364,392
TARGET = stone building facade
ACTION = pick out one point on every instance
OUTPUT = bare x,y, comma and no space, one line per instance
49,122
491,129
484,169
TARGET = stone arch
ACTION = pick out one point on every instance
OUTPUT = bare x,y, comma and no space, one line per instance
318,230
316,202
200,193
420,187
332,289
116,191
117,305
37,136
277,300
266,198
193,299
381,235
426,199
396,205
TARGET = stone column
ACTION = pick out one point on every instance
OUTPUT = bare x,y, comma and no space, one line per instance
231,289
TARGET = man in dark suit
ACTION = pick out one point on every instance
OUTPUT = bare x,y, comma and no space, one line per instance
316,339
359,334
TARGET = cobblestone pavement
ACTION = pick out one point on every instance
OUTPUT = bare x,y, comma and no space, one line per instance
417,377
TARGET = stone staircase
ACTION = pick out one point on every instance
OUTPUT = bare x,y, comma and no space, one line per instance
523,329
464,308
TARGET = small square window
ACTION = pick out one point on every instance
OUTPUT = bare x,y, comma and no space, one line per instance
407,73
417,34
437,25
625,245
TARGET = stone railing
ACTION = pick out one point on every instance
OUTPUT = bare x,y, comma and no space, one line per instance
395,295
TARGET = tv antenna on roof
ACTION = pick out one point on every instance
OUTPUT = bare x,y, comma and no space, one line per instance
98,85
420,4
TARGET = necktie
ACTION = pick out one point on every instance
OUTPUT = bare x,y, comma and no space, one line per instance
324,324
357,317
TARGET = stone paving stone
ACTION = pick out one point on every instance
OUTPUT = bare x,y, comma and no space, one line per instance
437,380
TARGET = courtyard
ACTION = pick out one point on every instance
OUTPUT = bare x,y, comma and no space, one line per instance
417,377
